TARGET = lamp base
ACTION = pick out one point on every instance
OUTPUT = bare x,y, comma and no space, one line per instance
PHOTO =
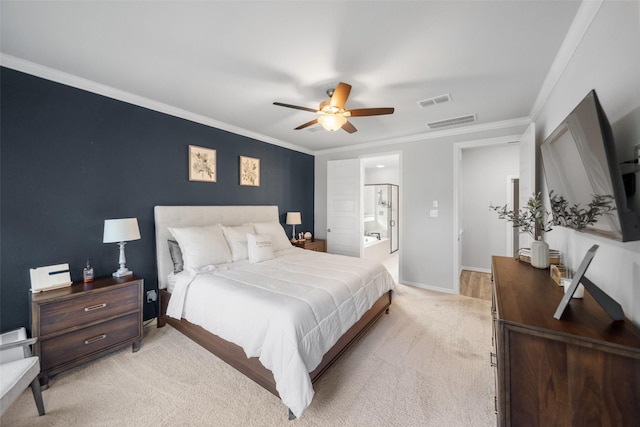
122,272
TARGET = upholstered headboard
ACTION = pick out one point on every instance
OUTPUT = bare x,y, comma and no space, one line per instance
197,216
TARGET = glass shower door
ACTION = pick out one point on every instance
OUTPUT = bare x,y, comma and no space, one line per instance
381,215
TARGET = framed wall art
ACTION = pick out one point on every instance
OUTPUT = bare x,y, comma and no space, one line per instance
249,171
202,164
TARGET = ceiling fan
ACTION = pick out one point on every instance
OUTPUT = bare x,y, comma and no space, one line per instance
332,111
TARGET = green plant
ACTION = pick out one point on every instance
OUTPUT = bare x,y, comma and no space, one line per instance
532,219
576,217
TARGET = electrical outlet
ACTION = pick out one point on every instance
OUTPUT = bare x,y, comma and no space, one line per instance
636,152
152,296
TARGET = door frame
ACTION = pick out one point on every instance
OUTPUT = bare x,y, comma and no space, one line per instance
400,199
457,159
512,200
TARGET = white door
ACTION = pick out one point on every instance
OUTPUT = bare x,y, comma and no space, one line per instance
345,226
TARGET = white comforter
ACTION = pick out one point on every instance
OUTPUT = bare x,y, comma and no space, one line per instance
288,311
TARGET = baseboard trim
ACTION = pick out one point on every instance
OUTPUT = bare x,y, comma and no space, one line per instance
476,269
429,287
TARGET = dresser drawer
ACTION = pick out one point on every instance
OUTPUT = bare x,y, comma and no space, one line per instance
74,345
59,315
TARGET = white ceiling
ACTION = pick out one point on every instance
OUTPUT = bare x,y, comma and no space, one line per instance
225,62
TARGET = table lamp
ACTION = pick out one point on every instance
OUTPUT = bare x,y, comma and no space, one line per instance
121,231
293,218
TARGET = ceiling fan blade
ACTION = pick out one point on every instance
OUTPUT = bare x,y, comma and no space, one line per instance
280,104
312,122
349,127
340,95
360,112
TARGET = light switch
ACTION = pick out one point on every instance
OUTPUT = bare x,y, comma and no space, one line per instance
435,203
433,213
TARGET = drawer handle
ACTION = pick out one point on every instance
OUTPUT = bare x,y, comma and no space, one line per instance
95,339
96,307
493,360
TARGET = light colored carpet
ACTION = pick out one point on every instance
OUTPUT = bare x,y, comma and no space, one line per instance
424,364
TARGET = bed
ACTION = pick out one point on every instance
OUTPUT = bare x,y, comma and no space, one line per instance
279,314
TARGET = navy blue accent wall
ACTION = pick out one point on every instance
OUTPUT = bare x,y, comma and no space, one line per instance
71,158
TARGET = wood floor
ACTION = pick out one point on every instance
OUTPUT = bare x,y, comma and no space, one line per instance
476,285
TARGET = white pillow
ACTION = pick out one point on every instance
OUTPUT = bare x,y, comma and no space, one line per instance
202,245
237,240
279,238
260,248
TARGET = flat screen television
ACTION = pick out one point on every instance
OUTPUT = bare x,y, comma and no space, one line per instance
579,161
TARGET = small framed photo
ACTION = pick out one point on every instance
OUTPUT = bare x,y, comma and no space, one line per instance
249,171
202,164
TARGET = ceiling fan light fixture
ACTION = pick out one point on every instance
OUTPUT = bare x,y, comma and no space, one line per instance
333,111
332,122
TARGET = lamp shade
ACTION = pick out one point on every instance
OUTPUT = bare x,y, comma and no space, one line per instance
293,218
120,230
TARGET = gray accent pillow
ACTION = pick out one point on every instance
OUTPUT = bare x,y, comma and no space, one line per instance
176,256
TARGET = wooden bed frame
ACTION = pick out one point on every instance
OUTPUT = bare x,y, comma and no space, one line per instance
234,355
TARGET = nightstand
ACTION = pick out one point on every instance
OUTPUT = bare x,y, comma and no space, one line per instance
318,245
84,321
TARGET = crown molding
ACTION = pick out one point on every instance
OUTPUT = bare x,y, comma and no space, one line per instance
581,23
57,76
486,142
465,130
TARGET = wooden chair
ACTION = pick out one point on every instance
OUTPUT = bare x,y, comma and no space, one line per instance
18,369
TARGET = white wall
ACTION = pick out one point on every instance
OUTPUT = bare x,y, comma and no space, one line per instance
426,174
381,176
607,60
484,173
426,243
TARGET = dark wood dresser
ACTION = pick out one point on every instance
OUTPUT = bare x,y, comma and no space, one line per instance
84,321
581,370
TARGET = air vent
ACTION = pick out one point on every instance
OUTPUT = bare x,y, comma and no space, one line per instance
454,121
435,100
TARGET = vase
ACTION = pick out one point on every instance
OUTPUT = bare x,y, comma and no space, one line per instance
539,254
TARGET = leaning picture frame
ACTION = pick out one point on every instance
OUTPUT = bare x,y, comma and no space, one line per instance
611,306
202,164
577,277
249,171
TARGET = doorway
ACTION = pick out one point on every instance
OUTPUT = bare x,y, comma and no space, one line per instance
483,174
525,171
381,221
382,210
346,181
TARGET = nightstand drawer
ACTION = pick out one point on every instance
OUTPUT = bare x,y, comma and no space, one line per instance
74,345
84,321
60,315
318,245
